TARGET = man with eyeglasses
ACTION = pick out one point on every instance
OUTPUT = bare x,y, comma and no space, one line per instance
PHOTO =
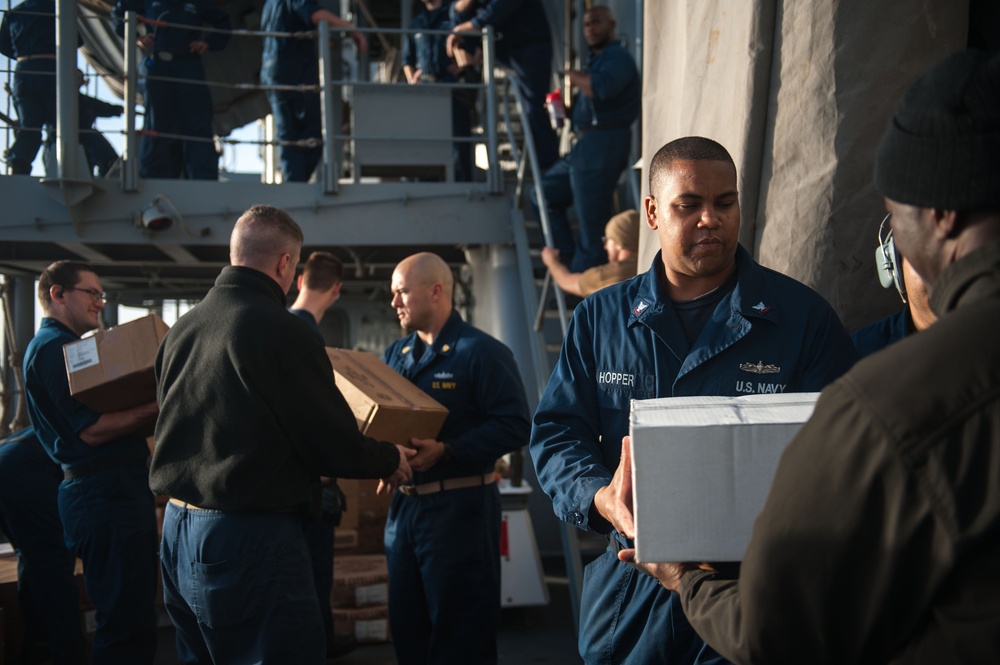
105,503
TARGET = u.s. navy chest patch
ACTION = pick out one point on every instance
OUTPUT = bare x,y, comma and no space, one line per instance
755,378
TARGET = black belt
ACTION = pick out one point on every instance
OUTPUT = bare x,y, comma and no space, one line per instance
105,465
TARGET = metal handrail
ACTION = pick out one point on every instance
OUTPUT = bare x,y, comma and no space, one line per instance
543,213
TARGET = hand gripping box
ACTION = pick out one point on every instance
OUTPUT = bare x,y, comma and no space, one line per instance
387,406
702,468
113,369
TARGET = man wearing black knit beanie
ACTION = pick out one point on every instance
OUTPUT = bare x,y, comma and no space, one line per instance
880,539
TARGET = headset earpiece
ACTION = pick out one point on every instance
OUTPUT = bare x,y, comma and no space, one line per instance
888,261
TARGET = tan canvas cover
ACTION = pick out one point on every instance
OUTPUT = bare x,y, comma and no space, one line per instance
799,92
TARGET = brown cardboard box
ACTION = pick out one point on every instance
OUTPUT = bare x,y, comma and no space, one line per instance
360,581
368,624
345,539
113,370
387,406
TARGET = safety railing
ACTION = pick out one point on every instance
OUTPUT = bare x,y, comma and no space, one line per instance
328,88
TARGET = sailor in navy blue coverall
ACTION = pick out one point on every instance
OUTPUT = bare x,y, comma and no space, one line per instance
704,320
177,107
288,61
29,516
319,287
524,44
425,59
916,316
603,112
442,536
28,35
105,503
100,153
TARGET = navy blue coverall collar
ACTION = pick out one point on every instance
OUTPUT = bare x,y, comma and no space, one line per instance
732,319
444,345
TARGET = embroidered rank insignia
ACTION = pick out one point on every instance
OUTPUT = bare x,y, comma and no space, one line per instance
761,308
760,368
640,308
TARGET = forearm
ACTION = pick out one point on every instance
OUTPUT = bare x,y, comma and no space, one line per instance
712,606
114,425
331,18
373,459
571,472
581,81
567,281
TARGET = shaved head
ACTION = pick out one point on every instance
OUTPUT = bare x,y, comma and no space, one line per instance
428,269
422,285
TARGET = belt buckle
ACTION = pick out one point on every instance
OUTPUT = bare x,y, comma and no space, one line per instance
408,490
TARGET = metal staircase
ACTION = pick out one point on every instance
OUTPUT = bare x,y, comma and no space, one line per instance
544,301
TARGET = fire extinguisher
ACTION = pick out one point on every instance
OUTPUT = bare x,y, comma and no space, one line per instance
557,110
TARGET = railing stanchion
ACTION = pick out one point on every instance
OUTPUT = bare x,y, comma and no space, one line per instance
130,161
67,96
495,179
331,168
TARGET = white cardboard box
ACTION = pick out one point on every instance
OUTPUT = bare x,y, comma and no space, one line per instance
702,468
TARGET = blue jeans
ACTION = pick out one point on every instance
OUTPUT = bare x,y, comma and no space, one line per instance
443,552
297,117
239,588
627,617
586,179
34,94
110,524
178,108
320,536
29,487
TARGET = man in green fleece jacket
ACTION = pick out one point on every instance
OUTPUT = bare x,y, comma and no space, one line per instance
250,418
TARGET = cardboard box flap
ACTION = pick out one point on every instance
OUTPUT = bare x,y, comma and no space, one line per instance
711,411
140,344
367,373
386,405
